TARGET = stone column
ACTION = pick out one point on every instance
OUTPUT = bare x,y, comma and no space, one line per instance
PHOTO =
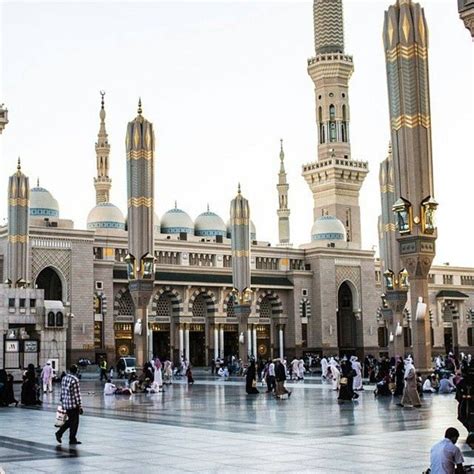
221,342
396,300
216,342
186,343
181,341
254,341
280,339
250,339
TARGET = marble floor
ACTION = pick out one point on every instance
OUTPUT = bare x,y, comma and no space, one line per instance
214,427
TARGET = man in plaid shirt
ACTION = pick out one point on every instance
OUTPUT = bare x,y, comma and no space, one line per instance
72,403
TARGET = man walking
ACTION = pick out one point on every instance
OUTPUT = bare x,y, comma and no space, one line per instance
103,370
72,403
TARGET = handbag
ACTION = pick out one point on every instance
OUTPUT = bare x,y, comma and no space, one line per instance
61,416
343,381
254,383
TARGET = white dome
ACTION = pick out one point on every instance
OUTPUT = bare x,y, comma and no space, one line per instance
328,228
105,216
42,203
176,221
253,231
209,224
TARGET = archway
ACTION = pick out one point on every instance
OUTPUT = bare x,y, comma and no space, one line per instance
346,321
49,281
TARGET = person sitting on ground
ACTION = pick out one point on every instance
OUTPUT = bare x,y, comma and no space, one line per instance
445,456
109,388
446,386
383,387
223,372
134,383
428,384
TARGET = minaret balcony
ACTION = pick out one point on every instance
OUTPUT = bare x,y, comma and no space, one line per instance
330,57
336,162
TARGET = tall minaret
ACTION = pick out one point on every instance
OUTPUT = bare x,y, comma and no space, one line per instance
102,182
283,211
18,215
335,179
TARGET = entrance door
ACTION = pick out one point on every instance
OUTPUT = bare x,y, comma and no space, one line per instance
161,344
448,340
197,344
346,322
231,343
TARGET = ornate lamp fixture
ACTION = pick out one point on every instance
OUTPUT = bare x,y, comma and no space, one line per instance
403,212
428,210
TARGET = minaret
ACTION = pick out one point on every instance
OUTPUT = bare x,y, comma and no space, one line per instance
283,211
102,182
466,13
405,37
335,179
140,146
18,216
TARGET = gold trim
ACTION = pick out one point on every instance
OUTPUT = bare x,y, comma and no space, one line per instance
411,121
390,31
406,27
406,52
387,188
389,228
421,28
140,202
18,239
140,155
240,253
240,221
18,202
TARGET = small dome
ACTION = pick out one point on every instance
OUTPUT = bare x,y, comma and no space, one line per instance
176,221
42,203
253,231
209,224
328,228
105,216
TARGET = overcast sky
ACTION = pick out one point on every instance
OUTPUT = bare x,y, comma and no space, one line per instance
222,82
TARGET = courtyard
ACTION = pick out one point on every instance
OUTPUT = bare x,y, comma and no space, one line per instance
214,426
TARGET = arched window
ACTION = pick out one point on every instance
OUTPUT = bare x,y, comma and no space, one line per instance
344,113
332,112
230,307
322,135
200,307
266,308
344,124
164,306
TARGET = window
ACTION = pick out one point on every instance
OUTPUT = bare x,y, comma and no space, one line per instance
11,302
32,303
304,335
467,280
332,113
332,131
470,341
59,319
447,279
22,302
431,278
383,336
407,336
51,319
99,285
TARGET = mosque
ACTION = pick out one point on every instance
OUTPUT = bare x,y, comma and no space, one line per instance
66,292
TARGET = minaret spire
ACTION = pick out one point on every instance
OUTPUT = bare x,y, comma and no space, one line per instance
334,179
102,182
283,212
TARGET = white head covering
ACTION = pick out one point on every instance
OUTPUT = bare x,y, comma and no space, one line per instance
408,365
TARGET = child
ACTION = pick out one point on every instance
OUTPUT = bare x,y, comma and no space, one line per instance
189,375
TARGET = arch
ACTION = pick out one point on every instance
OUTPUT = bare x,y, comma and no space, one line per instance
346,320
305,308
123,303
175,298
229,303
52,281
355,296
332,113
344,113
275,301
208,297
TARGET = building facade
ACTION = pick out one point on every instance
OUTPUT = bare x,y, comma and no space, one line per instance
322,297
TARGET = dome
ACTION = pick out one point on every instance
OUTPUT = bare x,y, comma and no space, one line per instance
328,228
42,203
209,224
176,221
253,231
105,216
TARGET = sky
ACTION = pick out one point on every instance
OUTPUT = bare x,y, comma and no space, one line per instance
222,82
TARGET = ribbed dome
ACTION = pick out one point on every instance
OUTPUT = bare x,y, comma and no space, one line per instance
175,221
328,228
209,224
42,203
253,231
105,216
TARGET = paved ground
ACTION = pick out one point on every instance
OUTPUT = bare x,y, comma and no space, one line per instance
214,426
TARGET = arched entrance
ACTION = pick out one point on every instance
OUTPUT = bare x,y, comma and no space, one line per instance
49,281
346,321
